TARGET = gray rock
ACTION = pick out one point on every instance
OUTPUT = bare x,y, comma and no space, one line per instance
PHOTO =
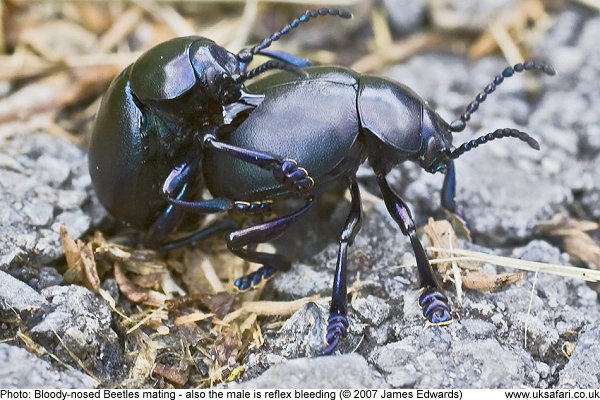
346,371
16,296
302,280
20,369
405,16
372,309
82,321
583,369
434,359
44,184
466,15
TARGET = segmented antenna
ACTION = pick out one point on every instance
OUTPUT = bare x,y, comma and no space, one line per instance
459,124
246,55
272,64
497,134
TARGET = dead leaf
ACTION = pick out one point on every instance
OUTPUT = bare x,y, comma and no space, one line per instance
477,280
89,267
148,281
580,246
136,293
172,374
81,265
222,303
72,253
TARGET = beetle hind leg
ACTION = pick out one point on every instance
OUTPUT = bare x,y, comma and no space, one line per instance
240,243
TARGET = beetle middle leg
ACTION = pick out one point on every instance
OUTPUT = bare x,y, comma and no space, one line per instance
240,242
433,302
337,324
286,172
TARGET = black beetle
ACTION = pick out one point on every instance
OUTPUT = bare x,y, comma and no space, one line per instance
330,122
154,110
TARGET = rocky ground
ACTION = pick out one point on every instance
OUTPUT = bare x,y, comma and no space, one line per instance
521,335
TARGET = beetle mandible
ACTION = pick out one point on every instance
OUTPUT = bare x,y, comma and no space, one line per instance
154,110
330,122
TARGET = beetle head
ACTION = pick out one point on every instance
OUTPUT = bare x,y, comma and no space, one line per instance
437,142
218,71
437,151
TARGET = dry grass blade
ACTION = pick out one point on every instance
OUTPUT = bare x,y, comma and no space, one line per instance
193,317
534,266
595,4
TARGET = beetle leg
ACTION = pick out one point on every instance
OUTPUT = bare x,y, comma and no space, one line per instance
239,242
433,303
337,324
286,172
448,193
217,227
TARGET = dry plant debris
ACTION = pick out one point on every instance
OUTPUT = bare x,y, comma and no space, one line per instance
576,241
445,244
181,323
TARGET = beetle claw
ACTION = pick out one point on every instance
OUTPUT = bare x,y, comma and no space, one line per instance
337,328
295,178
434,307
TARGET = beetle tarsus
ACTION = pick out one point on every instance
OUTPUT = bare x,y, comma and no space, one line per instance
253,207
337,328
295,178
434,306
251,280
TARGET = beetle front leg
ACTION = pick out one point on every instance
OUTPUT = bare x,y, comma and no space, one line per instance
285,172
448,193
240,241
337,324
434,304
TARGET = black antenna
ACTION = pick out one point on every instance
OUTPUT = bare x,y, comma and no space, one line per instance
271,64
459,124
246,55
497,134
